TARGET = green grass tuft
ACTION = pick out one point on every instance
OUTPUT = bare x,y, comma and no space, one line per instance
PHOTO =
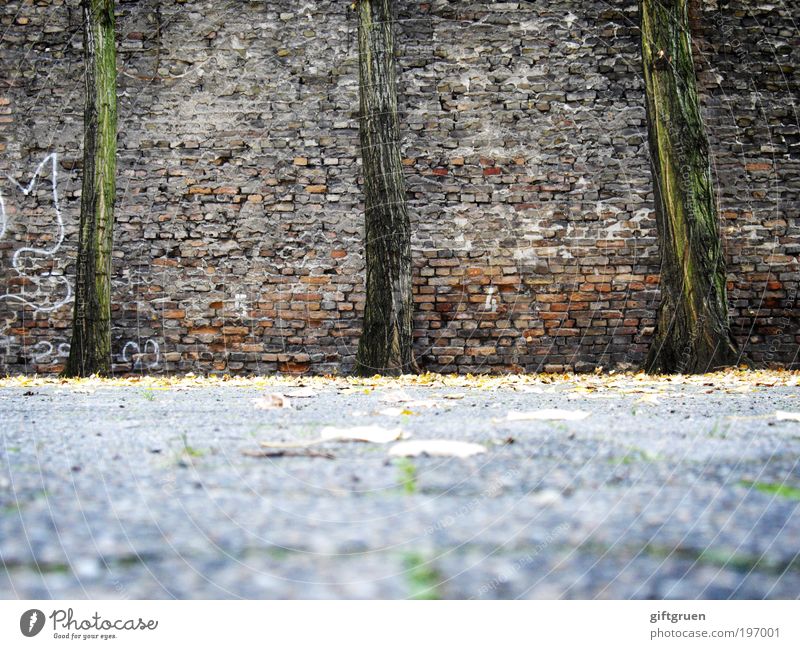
774,489
423,580
408,476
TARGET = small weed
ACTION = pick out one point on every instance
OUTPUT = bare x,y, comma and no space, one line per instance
189,450
717,432
635,455
774,489
423,580
407,475
52,568
149,395
724,558
42,567
128,560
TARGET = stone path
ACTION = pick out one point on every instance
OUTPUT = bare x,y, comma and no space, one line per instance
676,491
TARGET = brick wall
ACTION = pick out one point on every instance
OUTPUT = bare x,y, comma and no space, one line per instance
239,214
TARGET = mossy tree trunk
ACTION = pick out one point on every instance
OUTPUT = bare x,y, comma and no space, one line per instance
90,350
692,332
385,346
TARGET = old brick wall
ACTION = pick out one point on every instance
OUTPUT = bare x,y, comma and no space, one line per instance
239,207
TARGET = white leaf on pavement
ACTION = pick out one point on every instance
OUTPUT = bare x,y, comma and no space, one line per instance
397,396
422,403
272,402
547,497
301,393
534,389
374,434
437,447
783,415
395,411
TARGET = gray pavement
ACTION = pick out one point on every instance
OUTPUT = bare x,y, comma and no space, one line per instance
685,490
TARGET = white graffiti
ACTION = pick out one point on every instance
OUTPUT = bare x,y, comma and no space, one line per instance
48,350
132,353
240,304
6,342
491,301
49,252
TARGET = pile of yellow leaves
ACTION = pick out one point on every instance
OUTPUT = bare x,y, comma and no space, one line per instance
626,382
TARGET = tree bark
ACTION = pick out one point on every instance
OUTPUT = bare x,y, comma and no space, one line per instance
385,346
90,349
692,332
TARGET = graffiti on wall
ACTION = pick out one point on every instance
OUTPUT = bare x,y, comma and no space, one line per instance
41,286
51,291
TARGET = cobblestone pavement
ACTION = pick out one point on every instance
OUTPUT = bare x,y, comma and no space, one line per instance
685,491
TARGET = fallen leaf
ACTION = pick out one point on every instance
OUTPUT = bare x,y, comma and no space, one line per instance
398,396
291,453
531,389
436,447
547,497
648,398
272,402
395,412
599,394
301,393
422,403
304,444
454,395
783,415
548,414
374,434
352,391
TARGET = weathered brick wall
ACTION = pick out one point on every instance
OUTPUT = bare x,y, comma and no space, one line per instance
238,241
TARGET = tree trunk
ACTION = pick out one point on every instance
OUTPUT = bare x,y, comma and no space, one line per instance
386,340
692,332
90,350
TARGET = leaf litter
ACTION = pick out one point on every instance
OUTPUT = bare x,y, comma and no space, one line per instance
370,434
739,380
273,401
436,448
